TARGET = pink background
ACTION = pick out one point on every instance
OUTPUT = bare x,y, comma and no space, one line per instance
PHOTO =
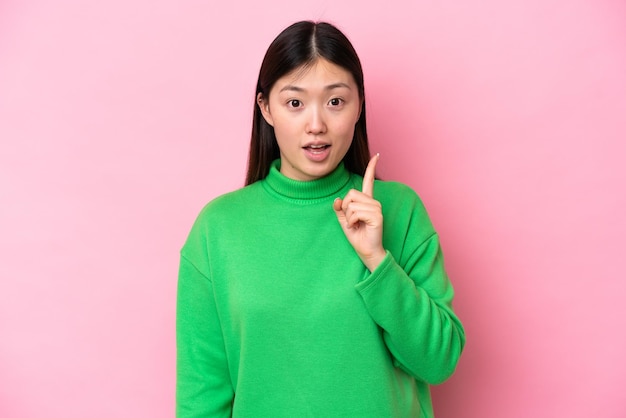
120,119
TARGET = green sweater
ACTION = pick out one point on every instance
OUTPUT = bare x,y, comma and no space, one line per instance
278,317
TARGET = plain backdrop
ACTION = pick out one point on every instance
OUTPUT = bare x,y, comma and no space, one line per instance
120,119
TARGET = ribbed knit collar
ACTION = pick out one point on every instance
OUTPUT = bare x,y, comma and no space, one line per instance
307,191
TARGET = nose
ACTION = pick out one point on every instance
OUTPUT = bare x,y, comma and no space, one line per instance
315,123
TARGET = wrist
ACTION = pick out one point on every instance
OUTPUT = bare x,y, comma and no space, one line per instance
374,260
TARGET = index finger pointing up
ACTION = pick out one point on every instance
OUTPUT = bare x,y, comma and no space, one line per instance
368,178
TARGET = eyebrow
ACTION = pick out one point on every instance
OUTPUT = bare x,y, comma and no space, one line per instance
333,86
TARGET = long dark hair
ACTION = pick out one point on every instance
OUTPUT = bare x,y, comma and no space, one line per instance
301,44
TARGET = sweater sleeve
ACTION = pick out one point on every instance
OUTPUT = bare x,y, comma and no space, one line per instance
411,301
203,386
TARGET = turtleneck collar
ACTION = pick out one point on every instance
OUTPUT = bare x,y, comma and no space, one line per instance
306,191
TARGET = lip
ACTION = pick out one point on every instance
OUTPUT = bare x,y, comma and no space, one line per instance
317,154
315,143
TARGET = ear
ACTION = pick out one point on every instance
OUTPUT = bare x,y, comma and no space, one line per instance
360,111
361,107
264,106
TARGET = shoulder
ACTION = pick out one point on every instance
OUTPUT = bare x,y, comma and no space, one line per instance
402,204
221,211
229,204
383,188
396,194
392,193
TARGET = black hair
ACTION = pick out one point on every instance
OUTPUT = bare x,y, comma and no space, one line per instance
302,44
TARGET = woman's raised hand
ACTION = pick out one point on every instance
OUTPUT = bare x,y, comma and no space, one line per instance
361,219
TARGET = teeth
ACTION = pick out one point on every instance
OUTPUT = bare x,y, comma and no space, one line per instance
317,146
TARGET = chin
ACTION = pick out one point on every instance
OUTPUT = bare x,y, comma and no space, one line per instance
321,171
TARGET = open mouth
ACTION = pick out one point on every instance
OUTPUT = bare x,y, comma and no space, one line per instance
316,148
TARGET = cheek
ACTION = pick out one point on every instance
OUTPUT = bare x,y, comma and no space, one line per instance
278,121
351,121
346,128
284,130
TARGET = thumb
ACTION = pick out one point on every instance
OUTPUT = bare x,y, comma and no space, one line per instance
337,206
341,216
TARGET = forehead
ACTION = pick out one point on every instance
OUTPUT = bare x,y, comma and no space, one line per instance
320,73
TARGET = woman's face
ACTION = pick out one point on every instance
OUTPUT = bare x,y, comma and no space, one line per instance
313,111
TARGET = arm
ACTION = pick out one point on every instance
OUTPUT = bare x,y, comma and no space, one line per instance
409,298
412,305
203,387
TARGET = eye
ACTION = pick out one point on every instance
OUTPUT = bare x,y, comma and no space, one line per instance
294,103
335,101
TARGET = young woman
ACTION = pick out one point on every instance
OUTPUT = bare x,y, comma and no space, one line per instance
316,290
